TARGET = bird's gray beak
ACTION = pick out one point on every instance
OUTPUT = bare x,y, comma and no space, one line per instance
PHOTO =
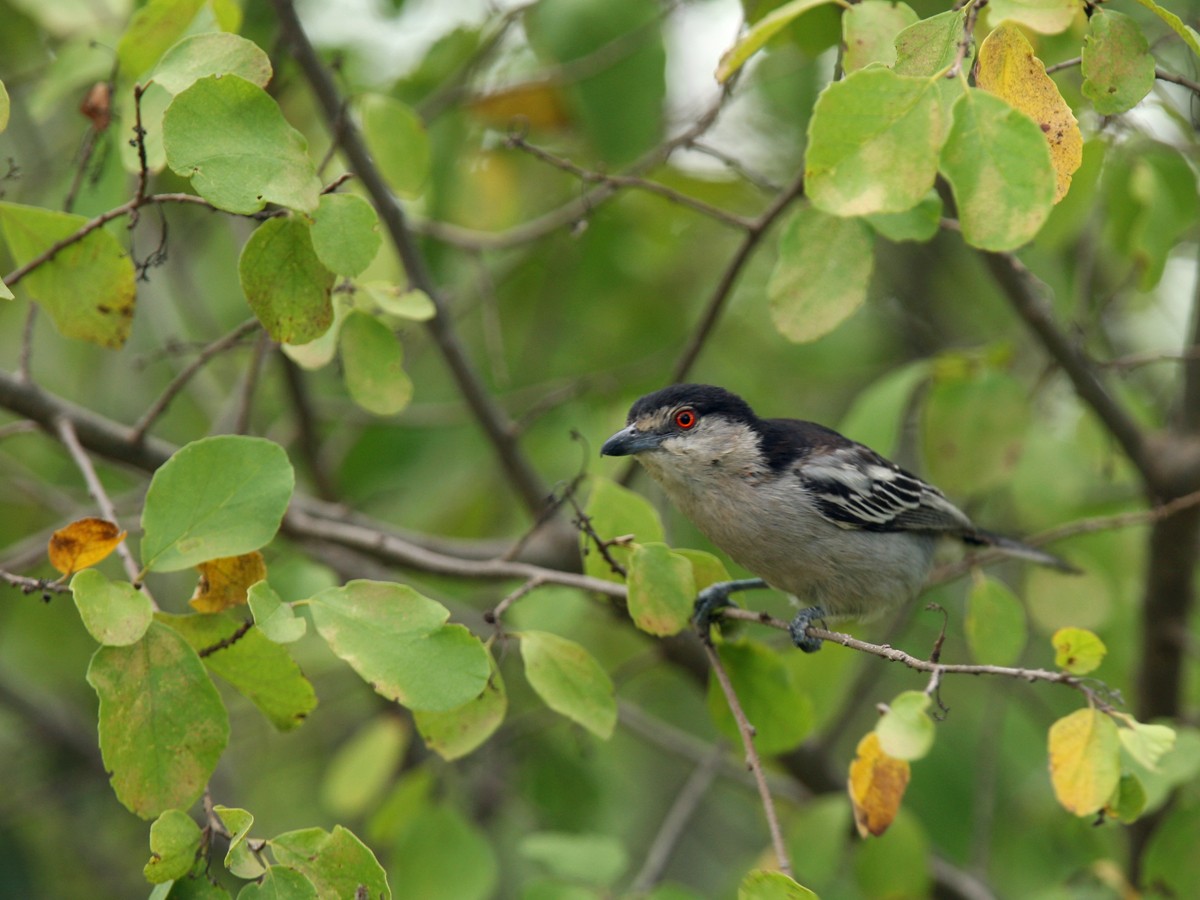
629,441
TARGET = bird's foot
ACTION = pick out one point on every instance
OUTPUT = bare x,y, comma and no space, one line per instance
798,628
715,597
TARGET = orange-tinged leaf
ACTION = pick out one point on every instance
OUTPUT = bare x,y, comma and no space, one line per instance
539,104
1085,765
224,582
83,543
1009,69
877,784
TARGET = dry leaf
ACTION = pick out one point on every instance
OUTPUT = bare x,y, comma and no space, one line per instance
224,582
83,543
877,784
538,104
1008,69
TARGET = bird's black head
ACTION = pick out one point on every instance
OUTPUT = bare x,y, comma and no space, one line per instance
675,410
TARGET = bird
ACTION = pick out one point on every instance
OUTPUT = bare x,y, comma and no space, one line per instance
803,508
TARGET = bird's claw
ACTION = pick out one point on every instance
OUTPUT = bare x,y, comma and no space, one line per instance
798,629
709,602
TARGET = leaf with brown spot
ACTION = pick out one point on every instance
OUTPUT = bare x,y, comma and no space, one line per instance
224,582
1009,69
83,543
877,784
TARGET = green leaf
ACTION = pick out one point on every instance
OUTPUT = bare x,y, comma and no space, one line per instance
619,104
1147,744
318,353
114,612
873,143
1077,650
822,275
229,137
1046,16
781,713
760,33
399,642
998,164
87,288
662,590
920,223
760,884
1118,69
364,765
973,425
154,28
1189,34
215,497
995,625
373,365
1128,802
570,681
276,620
445,855
876,416
211,53
401,301
706,568
869,31
398,142
930,46
5,105
162,724
905,730
279,883
285,283
1171,862
174,844
336,862
345,233
256,667
454,733
616,512
239,859
597,859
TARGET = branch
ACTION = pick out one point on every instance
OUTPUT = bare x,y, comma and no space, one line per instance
891,654
34,585
495,423
1025,293
733,220
177,384
66,433
746,730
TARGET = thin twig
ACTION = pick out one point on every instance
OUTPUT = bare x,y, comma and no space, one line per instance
34,585
159,406
687,801
491,418
66,433
1065,64
733,220
241,632
746,730
1094,695
493,616
1164,75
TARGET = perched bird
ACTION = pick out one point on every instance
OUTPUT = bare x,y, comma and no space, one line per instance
812,513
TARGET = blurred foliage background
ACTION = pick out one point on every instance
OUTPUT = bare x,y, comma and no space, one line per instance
573,293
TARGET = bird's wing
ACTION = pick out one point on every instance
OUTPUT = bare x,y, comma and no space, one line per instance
855,487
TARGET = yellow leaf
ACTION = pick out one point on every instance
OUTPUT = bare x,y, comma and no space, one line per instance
1077,650
1008,69
538,104
877,784
83,543
1085,765
224,582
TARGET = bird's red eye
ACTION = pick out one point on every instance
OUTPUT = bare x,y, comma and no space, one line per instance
685,418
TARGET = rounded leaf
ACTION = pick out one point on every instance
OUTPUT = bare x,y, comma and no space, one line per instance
570,681
211,53
285,283
345,233
1085,764
373,365
398,142
454,733
662,589
1077,650
905,730
115,613
215,497
174,843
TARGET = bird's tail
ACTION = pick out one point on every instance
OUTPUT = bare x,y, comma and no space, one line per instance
1015,548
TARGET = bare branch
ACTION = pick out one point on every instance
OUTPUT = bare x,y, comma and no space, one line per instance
66,433
746,730
493,420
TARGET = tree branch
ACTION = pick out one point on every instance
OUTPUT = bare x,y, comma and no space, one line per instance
495,423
